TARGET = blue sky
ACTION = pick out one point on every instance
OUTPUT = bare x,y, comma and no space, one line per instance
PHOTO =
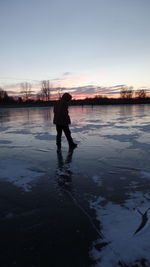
75,43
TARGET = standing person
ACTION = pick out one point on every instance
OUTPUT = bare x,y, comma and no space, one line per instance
62,120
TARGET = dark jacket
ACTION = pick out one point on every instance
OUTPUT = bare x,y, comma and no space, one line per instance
61,116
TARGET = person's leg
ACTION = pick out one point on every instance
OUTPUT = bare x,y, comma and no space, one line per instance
59,134
68,135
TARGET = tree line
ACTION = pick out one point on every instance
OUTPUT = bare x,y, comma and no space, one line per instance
127,95
27,95
44,94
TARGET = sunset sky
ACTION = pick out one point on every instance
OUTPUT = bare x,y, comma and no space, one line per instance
89,46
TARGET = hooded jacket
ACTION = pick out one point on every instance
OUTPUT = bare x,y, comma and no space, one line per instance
61,115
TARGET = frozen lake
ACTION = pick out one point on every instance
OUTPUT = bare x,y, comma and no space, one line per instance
90,207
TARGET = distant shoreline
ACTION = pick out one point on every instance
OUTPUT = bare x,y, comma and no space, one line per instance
24,106
85,102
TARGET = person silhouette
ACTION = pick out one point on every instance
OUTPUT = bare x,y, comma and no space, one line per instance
62,121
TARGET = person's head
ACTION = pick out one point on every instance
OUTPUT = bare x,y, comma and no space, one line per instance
67,97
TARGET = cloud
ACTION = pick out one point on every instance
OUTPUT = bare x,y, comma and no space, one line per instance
111,89
91,90
11,86
144,88
67,73
118,86
84,89
12,93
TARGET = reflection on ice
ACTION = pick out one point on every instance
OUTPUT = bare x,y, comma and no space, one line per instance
64,172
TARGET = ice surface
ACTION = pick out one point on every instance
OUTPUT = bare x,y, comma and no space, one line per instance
111,164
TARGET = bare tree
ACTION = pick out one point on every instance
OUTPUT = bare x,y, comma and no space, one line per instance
3,95
126,92
123,92
39,96
46,90
140,93
26,90
129,94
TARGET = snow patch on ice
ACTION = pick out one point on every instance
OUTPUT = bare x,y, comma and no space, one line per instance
122,137
4,128
97,180
119,224
9,215
22,131
63,172
45,136
5,142
19,173
145,174
123,178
